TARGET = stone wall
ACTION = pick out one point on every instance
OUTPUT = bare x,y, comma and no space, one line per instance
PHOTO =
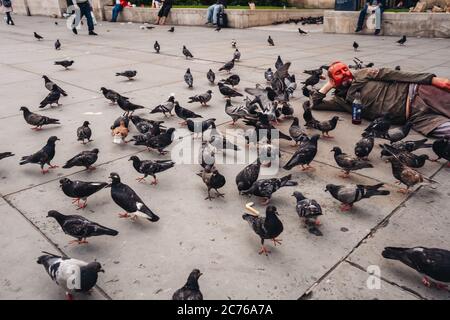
21,7
313,4
46,7
393,24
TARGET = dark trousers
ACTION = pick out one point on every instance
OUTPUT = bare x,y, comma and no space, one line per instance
115,12
9,20
85,11
362,15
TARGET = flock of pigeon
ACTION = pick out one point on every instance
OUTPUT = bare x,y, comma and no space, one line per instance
270,103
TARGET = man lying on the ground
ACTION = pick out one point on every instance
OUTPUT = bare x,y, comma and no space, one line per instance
421,98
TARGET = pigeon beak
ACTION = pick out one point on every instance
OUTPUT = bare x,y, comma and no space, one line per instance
200,274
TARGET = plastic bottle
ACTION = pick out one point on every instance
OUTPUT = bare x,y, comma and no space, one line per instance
357,108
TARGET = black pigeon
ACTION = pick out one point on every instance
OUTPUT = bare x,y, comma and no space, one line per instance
57,45
145,125
266,187
304,155
159,142
412,145
127,106
4,155
268,227
172,29
83,159
188,78
37,120
380,125
211,76
355,46
187,53
184,113
348,163
227,91
410,159
279,63
364,146
227,66
213,180
326,126
149,167
232,80
191,290
38,36
309,210
80,190
130,74
402,40
296,132
270,41
287,110
111,95
84,133
441,148
203,98
312,80
51,86
157,47
264,129
200,127
80,227
301,31
397,134
166,107
128,200
43,156
429,262
398,68
116,124
248,176
65,63
51,98
350,194
61,270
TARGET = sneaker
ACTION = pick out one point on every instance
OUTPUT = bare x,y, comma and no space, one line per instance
74,30
358,29
92,33
377,31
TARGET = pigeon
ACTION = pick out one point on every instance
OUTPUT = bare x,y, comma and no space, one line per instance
187,53
57,44
191,290
270,41
218,28
80,190
71,274
84,133
37,120
268,75
159,142
411,145
43,156
213,180
350,194
355,46
80,227
202,98
441,148
232,80
296,132
127,106
156,47
268,227
402,40
309,210
364,146
237,55
149,167
144,125
227,66
165,107
206,156
304,155
410,159
211,76
248,176
238,112
279,63
111,95
172,29
301,31
312,80
188,78
380,125
130,74
83,159
432,263
51,98
233,43
287,110
4,155
125,119
325,126
184,113
291,85
348,163
65,63
263,129
218,141
397,134
318,71
199,127
128,200
227,91
406,175
37,36
51,86
266,187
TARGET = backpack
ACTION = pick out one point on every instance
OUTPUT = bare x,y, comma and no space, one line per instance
7,3
222,19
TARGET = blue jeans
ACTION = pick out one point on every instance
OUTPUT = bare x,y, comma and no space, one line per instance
213,11
362,16
115,12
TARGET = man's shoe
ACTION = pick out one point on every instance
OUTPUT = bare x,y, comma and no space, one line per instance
74,30
358,29
92,33
377,31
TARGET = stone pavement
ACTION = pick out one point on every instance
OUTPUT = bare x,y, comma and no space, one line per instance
150,261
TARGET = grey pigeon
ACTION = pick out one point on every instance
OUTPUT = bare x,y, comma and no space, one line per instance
188,78
37,120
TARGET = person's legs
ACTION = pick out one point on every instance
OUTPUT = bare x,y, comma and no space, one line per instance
85,9
377,20
210,12
163,20
115,12
218,8
9,19
362,16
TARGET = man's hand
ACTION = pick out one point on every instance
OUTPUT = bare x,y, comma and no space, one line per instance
441,83
328,86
